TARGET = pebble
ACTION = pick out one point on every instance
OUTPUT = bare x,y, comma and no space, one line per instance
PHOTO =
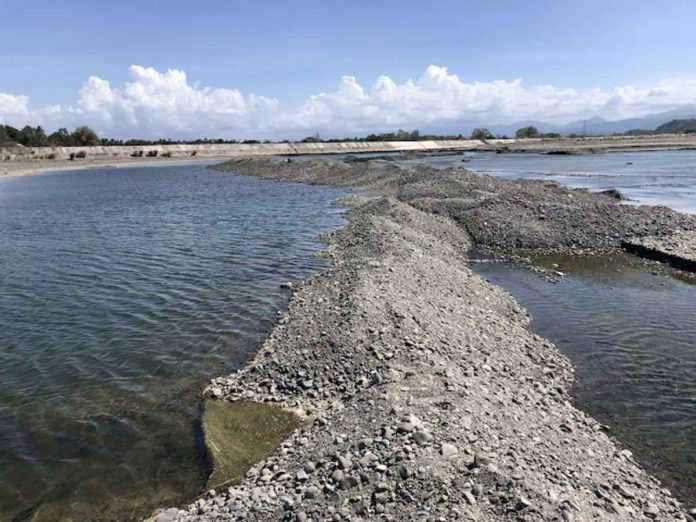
311,492
470,497
448,450
168,515
422,438
481,460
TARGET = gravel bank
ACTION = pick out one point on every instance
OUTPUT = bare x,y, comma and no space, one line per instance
514,217
427,397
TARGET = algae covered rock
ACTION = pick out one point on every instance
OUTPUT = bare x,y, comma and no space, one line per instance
240,434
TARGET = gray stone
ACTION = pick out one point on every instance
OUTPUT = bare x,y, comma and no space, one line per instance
624,491
349,482
651,510
344,463
311,492
470,497
359,507
422,438
381,497
403,471
381,486
448,450
522,503
168,515
481,460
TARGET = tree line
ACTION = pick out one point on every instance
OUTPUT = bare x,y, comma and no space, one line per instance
29,136
84,136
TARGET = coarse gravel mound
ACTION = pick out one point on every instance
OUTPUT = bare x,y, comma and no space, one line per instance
426,395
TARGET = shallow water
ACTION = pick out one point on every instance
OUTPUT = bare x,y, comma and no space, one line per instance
631,336
656,177
121,292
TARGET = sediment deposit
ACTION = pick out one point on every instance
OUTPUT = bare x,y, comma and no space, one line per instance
426,395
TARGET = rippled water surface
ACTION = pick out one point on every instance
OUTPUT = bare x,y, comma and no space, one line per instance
121,292
655,177
631,336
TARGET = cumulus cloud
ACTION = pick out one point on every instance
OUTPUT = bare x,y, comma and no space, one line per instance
13,105
156,104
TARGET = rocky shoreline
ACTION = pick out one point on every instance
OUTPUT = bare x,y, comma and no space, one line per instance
425,395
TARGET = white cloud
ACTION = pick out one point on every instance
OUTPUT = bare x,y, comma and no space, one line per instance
164,104
12,106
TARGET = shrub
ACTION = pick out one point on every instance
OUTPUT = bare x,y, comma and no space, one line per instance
482,134
527,132
81,154
85,136
151,153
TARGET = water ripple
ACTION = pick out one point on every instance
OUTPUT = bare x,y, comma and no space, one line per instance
631,336
120,295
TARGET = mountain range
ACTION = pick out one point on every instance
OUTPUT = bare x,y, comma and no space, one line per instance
598,125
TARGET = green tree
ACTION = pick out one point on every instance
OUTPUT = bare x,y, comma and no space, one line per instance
32,137
61,138
85,137
4,137
527,132
482,134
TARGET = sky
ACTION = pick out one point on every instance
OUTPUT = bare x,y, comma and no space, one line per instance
272,69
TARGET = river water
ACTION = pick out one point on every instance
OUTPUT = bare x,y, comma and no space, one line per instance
630,333
122,291
658,177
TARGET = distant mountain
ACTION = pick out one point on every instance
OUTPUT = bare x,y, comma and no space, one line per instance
675,126
598,125
651,121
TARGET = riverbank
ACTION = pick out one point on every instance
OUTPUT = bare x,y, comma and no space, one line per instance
27,160
426,396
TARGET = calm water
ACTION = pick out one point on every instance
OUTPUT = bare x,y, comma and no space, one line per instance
631,337
121,292
666,177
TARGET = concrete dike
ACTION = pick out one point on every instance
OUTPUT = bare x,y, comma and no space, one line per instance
233,149
577,145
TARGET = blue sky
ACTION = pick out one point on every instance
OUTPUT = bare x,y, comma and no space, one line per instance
289,51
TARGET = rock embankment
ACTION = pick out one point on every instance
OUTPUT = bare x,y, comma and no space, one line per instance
427,396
